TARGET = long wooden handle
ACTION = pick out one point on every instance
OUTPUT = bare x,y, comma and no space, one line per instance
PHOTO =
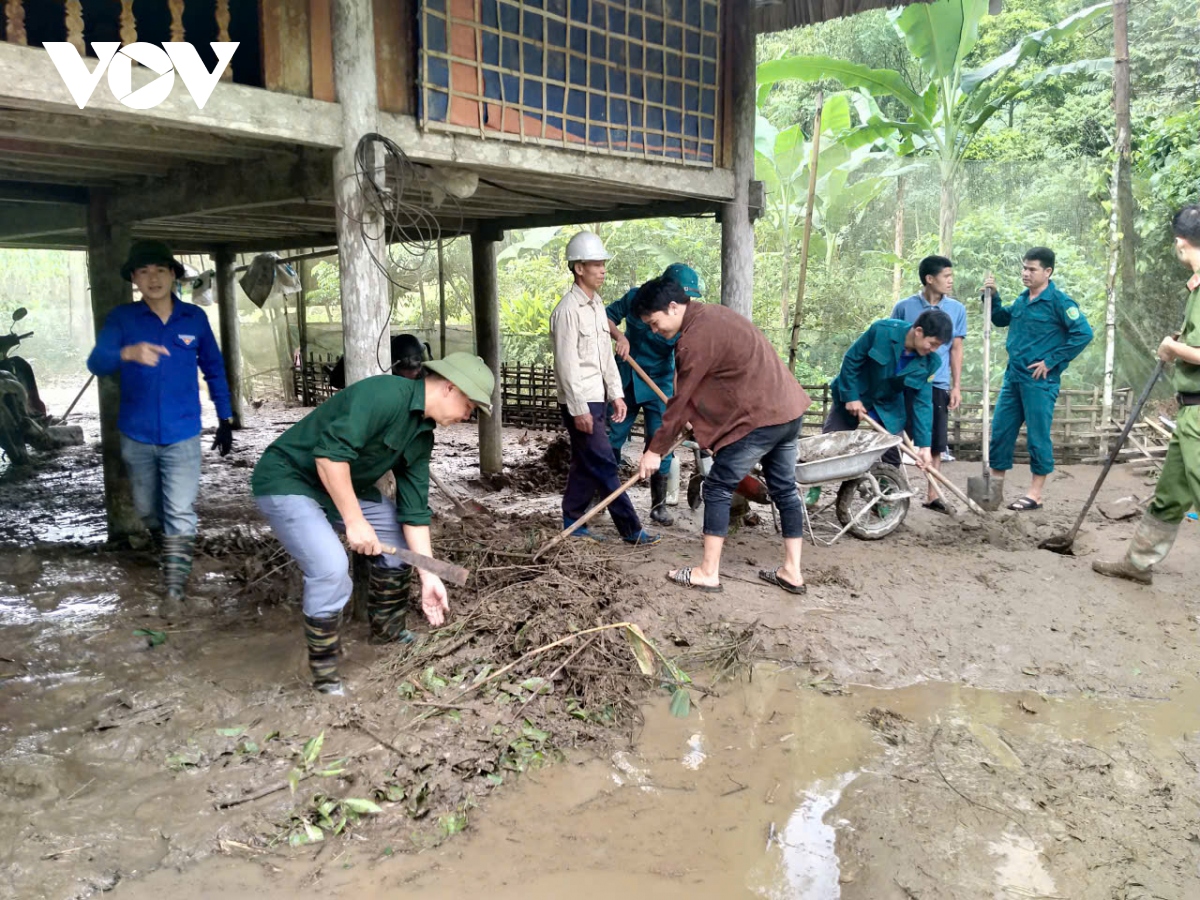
598,508
449,494
987,381
931,472
646,378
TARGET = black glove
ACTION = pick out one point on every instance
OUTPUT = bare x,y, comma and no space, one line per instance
223,442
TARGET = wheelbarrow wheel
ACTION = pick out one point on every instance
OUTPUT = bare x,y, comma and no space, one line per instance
886,515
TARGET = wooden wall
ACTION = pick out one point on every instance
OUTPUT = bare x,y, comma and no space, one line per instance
297,50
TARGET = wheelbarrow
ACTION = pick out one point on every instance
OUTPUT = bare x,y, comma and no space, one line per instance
872,498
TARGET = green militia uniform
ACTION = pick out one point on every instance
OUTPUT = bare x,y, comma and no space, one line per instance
1178,488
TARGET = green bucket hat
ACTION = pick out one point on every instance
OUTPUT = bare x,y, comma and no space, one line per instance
470,375
150,253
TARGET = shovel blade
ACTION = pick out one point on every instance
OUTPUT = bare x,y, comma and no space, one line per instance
987,493
1059,543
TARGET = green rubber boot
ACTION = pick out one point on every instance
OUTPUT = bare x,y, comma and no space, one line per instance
324,643
387,605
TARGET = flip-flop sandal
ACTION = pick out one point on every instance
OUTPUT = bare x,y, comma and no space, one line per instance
683,578
1025,504
937,506
772,577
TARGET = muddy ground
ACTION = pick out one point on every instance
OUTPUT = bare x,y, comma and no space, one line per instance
949,712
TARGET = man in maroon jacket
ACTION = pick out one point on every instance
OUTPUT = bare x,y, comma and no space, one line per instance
742,404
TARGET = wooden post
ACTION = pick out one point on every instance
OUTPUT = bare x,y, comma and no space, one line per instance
487,345
364,286
108,246
806,237
14,17
306,392
442,298
898,242
1128,237
74,23
231,332
737,231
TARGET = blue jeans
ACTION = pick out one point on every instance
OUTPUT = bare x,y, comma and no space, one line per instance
164,479
301,525
652,411
775,447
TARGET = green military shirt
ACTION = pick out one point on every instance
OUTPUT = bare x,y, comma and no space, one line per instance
1050,328
1187,375
873,372
376,425
653,352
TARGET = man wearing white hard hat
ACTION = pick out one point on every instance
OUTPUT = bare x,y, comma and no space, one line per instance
586,376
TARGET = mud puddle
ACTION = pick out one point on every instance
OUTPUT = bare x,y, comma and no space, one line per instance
785,788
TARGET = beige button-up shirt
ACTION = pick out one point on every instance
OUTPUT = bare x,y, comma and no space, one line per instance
585,370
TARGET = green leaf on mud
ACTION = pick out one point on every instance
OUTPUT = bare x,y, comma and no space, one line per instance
236,731
155,638
312,749
642,650
453,823
313,833
536,685
681,703
360,806
534,734
495,780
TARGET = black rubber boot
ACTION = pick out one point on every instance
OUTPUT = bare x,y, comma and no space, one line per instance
324,643
659,514
387,605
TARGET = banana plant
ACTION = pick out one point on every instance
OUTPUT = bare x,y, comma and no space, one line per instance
943,119
782,160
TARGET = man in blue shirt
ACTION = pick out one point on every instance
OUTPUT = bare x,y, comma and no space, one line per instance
1046,330
656,355
158,346
937,283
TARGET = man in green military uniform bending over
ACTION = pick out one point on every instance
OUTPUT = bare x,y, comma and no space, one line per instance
319,477
1178,487
1046,330
887,375
656,355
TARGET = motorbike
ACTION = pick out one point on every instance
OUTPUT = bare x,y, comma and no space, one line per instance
23,417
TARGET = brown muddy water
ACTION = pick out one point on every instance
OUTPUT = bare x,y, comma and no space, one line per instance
785,791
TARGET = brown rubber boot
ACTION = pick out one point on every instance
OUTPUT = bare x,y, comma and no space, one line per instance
1150,545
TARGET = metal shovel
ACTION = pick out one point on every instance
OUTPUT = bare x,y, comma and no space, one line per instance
980,488
1064,543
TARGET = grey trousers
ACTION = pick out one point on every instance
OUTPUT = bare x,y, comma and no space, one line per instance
306,533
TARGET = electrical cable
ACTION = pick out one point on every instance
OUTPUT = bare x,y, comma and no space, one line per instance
399,214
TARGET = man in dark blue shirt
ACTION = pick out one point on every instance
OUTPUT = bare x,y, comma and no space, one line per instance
158,346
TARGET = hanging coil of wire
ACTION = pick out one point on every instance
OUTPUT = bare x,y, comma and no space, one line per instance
406,211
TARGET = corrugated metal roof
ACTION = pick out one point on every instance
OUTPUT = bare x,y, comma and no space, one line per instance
777,15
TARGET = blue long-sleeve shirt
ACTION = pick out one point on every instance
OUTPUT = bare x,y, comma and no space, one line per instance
1050,329
161,404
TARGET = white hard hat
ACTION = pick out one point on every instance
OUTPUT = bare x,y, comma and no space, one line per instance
586,247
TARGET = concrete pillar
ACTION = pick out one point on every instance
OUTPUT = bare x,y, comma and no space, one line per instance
487,345
364,286
737,231
108,247
231,329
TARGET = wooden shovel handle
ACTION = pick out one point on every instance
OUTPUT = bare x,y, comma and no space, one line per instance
641,373
931,472
598,508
